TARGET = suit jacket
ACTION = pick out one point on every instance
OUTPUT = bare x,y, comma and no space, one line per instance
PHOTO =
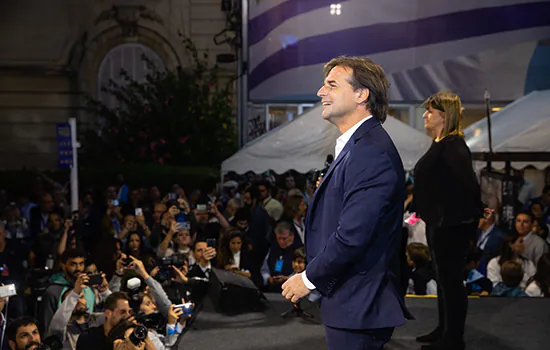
353,233
491,249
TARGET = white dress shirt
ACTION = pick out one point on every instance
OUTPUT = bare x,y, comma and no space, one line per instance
344,138
237,259
340,144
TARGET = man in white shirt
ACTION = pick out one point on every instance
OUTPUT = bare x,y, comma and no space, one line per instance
535,246
354,222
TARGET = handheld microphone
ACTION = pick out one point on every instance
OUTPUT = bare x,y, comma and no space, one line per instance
318,175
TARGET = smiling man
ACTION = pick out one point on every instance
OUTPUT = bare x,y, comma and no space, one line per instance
353,226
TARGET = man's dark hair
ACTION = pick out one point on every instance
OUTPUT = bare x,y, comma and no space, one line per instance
366,75
14,326
199,239
254,192
72,253
527,213
112,300
264,183
242,214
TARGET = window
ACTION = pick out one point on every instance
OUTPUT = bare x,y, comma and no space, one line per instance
128,57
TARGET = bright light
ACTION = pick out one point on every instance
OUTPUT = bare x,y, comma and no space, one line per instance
496,109
336,9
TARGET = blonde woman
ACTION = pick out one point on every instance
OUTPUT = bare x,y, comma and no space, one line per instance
448,199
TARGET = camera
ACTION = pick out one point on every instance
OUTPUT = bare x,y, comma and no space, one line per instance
154,320
138,335
202,207
8,291
165,271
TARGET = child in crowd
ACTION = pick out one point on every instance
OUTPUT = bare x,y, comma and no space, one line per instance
299,261
476,282
422,276
512,275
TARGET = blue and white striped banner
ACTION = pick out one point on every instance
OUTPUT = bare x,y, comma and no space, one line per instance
424,45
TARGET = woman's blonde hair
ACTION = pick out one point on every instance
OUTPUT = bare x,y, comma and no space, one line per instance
450,104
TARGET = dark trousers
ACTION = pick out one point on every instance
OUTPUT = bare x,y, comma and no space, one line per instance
448,248
351,339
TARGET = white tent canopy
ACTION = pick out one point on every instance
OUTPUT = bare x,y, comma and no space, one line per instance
522,126
304,143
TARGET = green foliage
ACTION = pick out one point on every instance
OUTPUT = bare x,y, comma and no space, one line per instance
181,117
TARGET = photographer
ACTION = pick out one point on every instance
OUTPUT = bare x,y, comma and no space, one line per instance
73,316
117,309
199,273
129,336
73,262
148,302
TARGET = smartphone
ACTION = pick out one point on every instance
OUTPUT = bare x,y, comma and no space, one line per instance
115,202
172,196
139,212
8,291
186,225
95,279
187,309
202,207
211,242
181,217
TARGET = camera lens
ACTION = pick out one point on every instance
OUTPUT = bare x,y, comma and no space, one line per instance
138,335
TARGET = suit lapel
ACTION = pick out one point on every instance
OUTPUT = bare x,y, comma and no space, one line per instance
359,133
325,179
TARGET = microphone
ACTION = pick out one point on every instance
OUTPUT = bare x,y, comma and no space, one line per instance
318,175
328,162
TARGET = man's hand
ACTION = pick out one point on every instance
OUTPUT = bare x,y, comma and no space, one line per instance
104,284
120,264
181,276
295,289
137,265
155,271
141,220
209,253
81,283
174,314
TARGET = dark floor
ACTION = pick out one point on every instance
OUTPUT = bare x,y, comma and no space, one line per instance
493,323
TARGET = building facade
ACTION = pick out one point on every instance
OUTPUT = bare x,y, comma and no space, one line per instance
53,53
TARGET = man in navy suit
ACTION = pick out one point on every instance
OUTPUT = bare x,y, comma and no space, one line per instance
353,224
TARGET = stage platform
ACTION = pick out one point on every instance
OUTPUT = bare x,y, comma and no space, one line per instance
493,324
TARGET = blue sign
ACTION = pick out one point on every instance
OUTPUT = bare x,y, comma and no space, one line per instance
64,146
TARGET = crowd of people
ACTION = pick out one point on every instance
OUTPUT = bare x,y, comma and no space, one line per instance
500,262
134,256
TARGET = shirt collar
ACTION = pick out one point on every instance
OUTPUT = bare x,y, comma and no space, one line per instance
344,138
237,254
527,236
207,267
